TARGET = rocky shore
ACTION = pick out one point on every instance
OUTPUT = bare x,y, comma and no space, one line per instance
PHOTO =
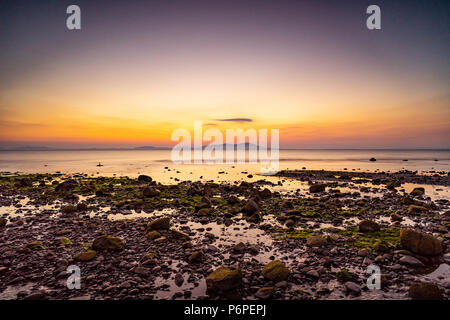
139,239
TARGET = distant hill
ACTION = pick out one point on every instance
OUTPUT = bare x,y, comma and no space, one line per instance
151,148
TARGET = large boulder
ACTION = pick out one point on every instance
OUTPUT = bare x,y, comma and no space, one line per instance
224,280
107,242
425,291
368,226
420,243
159,224
275,271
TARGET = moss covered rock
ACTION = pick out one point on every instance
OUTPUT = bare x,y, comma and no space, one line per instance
368,226
275,271
343,275
159,224
107,242
224,279
153,235
425,291
420,243
85,256
196,256
415,210
316,241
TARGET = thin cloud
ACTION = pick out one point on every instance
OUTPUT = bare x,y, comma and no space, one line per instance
236,120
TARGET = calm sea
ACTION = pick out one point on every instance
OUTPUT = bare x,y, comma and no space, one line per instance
153,162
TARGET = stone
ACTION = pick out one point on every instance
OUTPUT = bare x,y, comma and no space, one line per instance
224,279
425,291
418,191
250,207
316,241
264,293
368,226
396,217
159,224
153,235
275,271
415,210
411,261
353,288
196,256
318,187
85,256
420,243
265,193
107,242
363,252
144,178
149,192
3,222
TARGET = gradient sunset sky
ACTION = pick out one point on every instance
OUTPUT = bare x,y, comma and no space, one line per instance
140,69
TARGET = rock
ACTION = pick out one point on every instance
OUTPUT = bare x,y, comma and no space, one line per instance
418,192
3,222
411,261
68,209
35,296
363,252
316,241
23,182
107,242
180,235
204,212
160,240
372,159
144,178
446,257
179,280
85,256
420,243
313,273
275,271
396,217
318,187
425,291
196,256
264,293
265,193
143,271
250,207
353,288
254,218
224,279
153,235
81,298
239,248
149,192
159,224
415,210
66,186
368,226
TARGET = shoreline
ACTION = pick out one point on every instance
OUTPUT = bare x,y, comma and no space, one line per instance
317,242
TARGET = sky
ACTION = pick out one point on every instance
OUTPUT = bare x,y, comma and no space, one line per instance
138,70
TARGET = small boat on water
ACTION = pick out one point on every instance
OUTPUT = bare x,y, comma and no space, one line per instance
99,165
